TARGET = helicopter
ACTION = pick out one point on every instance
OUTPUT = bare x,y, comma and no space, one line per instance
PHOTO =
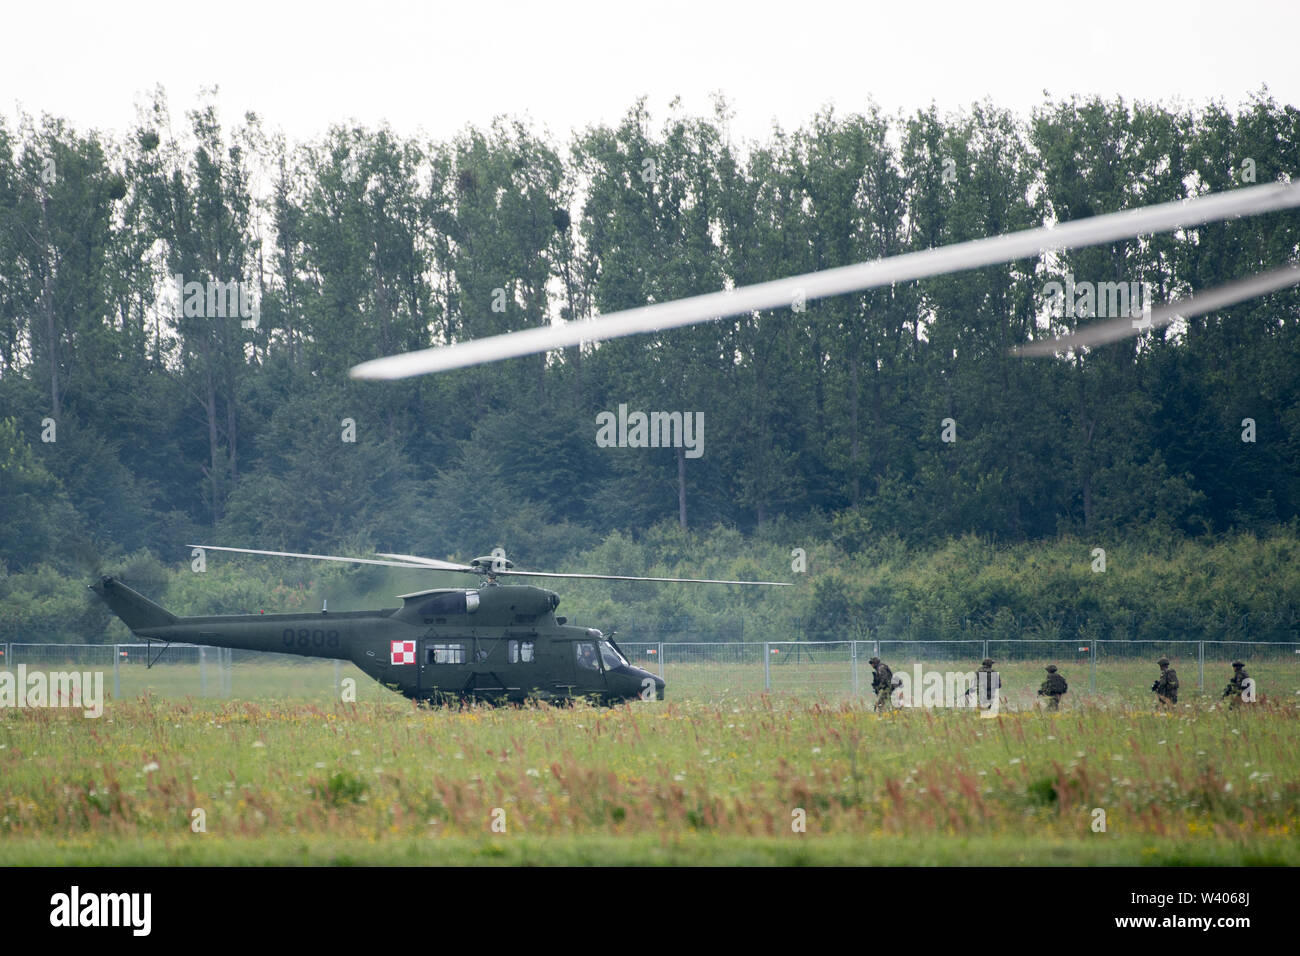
494,643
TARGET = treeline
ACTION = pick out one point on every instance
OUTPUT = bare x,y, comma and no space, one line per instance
1233,588
136,419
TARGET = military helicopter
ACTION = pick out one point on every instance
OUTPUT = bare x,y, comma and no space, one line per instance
495,643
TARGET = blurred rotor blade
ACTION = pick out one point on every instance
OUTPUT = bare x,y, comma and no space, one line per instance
1113,330
779,293
432,564
629,577
313,557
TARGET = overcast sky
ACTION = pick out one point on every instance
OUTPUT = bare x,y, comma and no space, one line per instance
437,67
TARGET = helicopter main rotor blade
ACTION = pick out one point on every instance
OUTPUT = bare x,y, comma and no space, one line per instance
1102,333
433,564
629,577
777,293
313,557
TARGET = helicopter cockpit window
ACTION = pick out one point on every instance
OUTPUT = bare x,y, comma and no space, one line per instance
612,658
586,651
444,654
520,652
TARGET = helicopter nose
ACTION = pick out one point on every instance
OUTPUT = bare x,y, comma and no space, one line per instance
648,686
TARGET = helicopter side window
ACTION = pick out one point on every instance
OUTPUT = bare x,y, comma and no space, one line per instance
444,654
586,651
520,652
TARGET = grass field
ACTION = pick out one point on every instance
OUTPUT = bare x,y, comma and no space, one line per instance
679,781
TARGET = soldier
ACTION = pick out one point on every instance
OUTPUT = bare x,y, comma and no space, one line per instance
882,682
987,684
1237,685
1166,685
1053,688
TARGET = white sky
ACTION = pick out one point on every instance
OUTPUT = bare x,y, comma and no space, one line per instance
436,67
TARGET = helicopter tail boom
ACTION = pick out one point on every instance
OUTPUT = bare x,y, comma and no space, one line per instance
135,610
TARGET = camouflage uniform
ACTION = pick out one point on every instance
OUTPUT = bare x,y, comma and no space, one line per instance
1053,687
1237,684
882,683
1166,685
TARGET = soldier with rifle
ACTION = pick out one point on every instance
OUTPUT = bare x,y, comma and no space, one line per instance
1053,688
1166,685
1238,686
882,682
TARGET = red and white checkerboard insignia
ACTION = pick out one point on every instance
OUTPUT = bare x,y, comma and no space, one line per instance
403,652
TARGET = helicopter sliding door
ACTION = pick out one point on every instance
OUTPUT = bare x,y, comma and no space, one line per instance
489,677
471,666
444,664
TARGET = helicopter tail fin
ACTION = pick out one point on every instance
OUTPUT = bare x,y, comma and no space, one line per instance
135,610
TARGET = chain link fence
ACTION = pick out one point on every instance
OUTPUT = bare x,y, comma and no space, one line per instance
1107,668
190,670
710,670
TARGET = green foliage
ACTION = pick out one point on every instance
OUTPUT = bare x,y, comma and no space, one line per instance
34,508
823,420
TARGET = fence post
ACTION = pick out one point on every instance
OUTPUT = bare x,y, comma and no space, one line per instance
203,672
1092,676
986,647
767,666
117,675
1200,665
336,681
660,655
853,656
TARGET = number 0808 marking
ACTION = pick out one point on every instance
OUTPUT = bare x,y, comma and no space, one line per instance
306,637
